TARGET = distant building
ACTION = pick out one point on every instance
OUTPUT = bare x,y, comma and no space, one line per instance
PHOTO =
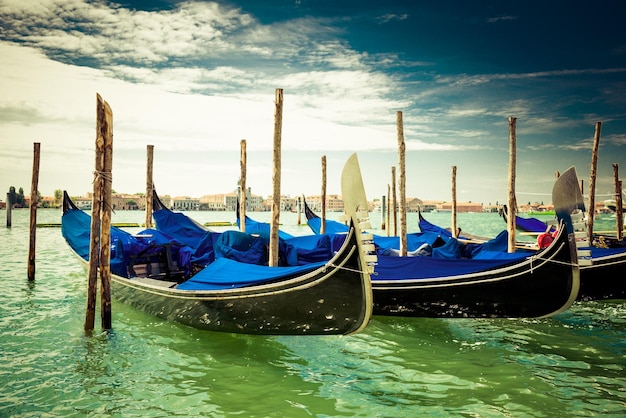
414,205
462,207
119,201
443,206
334,203
83,203
430,205
213,202
229,202
183,203
128,201
287,203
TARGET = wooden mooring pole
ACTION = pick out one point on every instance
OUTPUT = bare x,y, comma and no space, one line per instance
394,205
94,234
591,211
383,213
388,208
9,209
149,185
512,201
278,127
100,246
455,231
298,209
243,162
402,182
33,213
105,118
323,197
619,210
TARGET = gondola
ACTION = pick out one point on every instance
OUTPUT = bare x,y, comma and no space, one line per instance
485,281
176,281
601,265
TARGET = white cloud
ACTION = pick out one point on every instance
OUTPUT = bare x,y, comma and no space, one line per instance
390,17
338,112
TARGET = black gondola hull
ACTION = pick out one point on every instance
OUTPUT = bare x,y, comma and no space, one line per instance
604,279
544,285
334,299
536,288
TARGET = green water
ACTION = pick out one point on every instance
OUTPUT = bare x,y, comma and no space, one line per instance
570,365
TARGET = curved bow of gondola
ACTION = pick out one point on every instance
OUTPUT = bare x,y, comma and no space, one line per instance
68,204
426,226
164,216
307,211
157,204
526,224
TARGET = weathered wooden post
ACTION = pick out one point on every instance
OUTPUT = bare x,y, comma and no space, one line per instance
278,123
298,208
149,186
512,201
9,209
33,213
455,231
383,213
394,205
388,209
402,182
105,122
619,210
591,212
243,162
323,197
94,234
99,246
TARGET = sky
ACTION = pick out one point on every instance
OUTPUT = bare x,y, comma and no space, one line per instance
194,78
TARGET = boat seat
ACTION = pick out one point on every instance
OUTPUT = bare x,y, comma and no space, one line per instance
156,261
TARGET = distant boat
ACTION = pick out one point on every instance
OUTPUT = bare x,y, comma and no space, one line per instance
527,224
611,204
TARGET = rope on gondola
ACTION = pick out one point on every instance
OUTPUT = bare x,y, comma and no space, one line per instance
350,269
566,263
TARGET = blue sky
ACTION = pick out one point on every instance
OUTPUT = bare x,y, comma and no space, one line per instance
194,78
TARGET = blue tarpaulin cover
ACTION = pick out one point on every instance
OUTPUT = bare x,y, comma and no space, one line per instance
406,268
221,273
224,273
